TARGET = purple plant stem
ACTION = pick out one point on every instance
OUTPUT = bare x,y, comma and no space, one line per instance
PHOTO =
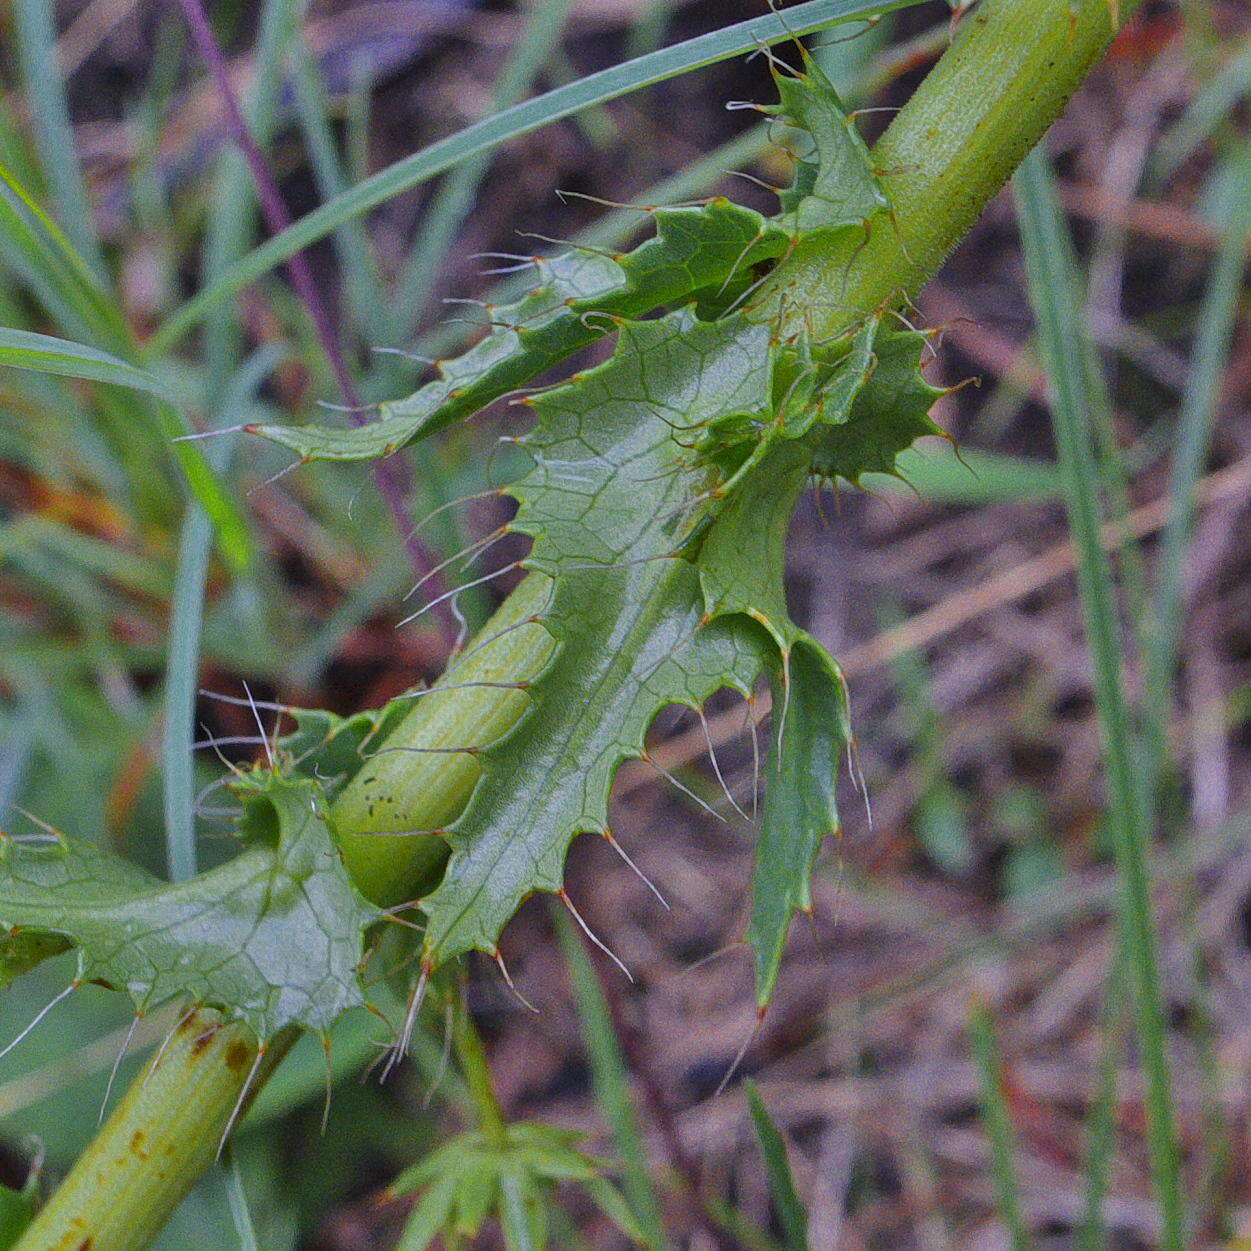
389,475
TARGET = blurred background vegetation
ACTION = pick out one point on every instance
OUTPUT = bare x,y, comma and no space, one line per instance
949,1060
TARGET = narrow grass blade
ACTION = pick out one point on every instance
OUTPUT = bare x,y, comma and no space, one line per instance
362,275
1204,112
612,1086
455,197
43,257
522,119
240,1212
998,1123
1101,1120
186,621
46,354
232,195
44,89
1217,315
790,1211
1049,261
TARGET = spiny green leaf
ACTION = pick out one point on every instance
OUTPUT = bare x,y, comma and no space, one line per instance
706,253
811,727
579,297
658,505
603,504
654,575
274,937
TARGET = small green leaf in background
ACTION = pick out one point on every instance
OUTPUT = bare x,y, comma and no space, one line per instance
471,1177
786,1200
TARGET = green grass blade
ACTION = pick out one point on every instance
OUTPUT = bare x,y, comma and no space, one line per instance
612,1086
522,119
362,275
36,248
46,354
182,668
240,1212
1203,114
1101,1121
233,220
998,1123
44,91
44,257
1049,261
1217,315
786,1201
455,197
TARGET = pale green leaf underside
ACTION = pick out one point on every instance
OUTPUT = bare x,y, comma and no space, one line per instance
626,608
274,937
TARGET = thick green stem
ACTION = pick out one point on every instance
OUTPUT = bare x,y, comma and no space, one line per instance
420,780
159,1139
1006,78
1008,74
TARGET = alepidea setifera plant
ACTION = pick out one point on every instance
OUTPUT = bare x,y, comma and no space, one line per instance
751,354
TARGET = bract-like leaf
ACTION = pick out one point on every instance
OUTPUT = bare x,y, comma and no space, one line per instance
889,413
579,297
328,747
811,727
274,937
835,184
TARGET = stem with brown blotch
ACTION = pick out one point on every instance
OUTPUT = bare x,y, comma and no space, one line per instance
159,1139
